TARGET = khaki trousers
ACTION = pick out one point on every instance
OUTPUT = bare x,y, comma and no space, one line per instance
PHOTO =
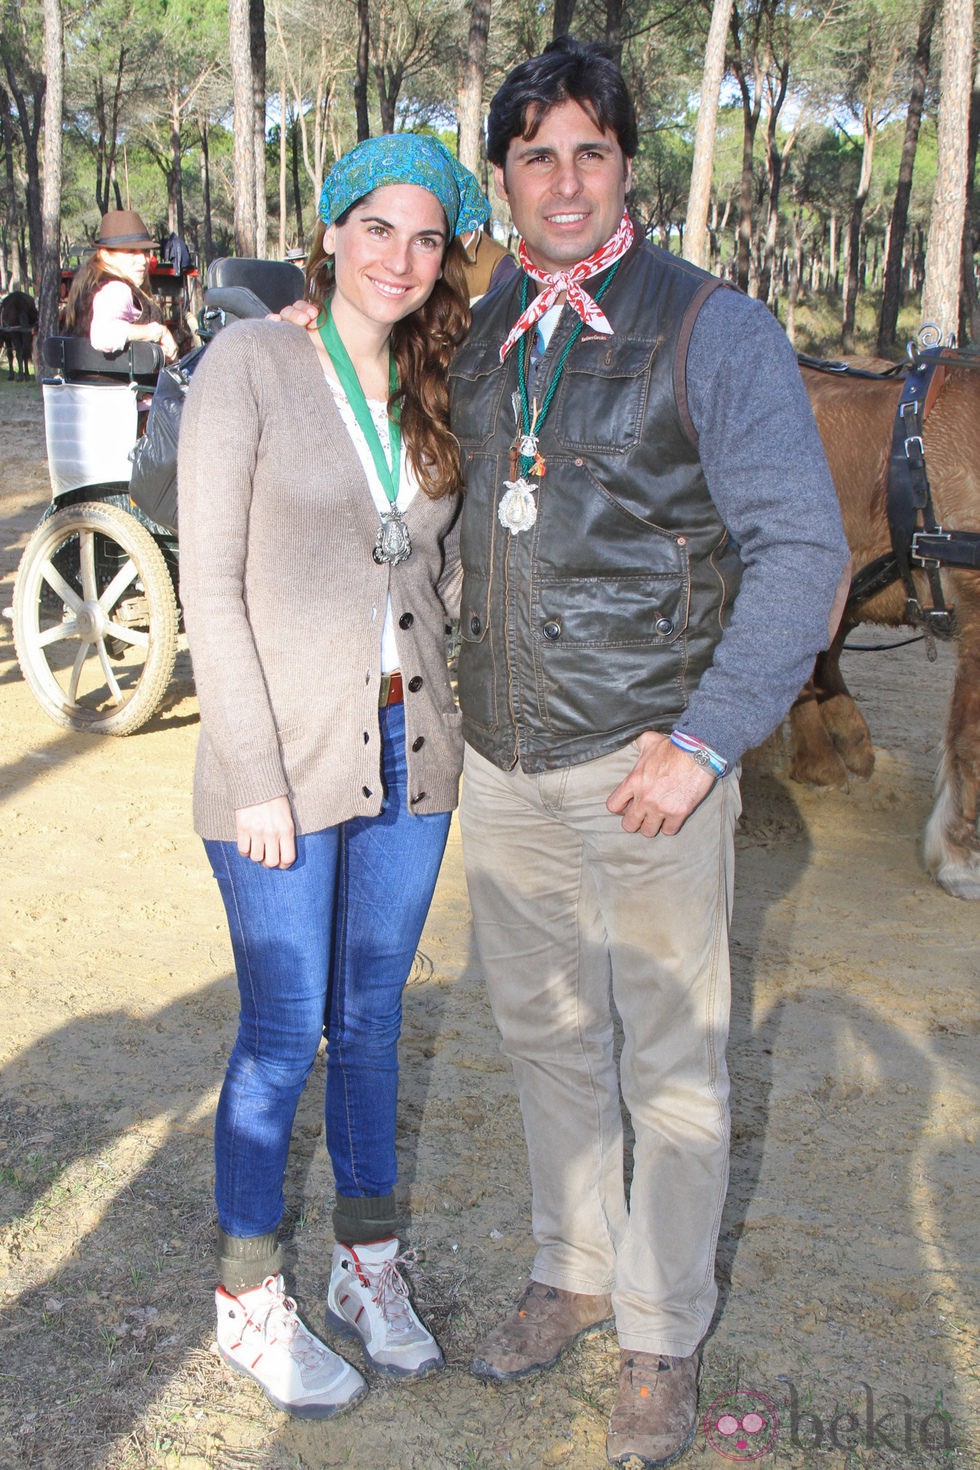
573,917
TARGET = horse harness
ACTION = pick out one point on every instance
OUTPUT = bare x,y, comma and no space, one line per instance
918,540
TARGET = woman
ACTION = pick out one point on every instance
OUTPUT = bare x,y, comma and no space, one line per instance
319,487
107,302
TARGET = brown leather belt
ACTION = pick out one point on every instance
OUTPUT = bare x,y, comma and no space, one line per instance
391,689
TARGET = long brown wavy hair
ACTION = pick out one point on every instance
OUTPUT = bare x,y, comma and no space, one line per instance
423,344
88,281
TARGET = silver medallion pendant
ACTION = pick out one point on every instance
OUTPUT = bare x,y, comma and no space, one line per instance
392,543
517,510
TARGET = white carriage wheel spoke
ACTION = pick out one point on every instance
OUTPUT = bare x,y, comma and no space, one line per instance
57,634
86,555
76,671
135,636
60,587
126,574
110,677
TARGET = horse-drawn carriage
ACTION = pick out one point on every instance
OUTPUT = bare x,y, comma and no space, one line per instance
96,614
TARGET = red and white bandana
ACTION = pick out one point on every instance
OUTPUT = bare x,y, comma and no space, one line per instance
568,281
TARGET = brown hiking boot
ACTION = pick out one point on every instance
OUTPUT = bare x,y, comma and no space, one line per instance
546,1323
656,1414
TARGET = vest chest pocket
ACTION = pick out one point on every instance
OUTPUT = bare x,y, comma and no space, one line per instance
603,395
475,393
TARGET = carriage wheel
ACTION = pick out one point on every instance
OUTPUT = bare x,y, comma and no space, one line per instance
95,619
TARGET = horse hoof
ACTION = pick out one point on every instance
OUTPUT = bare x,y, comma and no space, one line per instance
858,756
959,880
825,769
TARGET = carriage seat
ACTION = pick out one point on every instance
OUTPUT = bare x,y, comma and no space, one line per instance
274,283
74,360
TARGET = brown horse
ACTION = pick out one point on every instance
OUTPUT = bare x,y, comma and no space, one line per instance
831,739
18,323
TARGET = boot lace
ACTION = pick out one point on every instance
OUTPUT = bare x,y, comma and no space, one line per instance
277,1321
390,1292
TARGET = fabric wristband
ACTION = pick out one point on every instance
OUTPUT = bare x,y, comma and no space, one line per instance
709,757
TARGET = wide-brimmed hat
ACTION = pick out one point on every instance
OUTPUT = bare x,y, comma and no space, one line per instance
122,229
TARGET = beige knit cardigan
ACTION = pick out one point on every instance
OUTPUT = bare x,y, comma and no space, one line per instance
284,605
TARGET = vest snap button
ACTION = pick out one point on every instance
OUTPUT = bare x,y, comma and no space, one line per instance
552,630
664,626
475,626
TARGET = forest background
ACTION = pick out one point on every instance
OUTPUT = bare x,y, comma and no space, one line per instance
814,153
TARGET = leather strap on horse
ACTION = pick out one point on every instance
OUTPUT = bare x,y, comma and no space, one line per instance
915,534
910,507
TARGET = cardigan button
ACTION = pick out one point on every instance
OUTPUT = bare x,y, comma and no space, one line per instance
664,627
418,742
366,790
415,683
406,620
421,797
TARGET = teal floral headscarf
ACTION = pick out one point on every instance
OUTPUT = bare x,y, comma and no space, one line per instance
405,158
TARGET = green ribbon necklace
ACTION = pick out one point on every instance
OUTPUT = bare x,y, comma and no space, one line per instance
393,543
518,510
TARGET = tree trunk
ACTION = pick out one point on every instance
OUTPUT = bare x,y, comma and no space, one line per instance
283,168
297,192
363,67
795,272
389,84
891,291
29,118
175,211
750,121
470,108
564,17
18,258
941,289
54,61
854,233
243,158
970,304
614,29
774,167
256,15
206,193
696,244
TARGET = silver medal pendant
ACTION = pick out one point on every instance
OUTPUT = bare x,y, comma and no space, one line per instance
393,542
517,510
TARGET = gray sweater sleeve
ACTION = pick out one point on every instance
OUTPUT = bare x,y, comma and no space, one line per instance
768,477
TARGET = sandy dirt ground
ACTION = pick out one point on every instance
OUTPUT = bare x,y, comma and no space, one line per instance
849,1302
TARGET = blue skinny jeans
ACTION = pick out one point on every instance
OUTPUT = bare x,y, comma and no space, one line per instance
329,941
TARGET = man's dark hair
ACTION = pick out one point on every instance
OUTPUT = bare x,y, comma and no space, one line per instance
566,71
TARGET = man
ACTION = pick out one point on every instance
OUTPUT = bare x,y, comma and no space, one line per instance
651,547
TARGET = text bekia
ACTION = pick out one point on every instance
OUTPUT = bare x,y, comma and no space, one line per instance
890,1423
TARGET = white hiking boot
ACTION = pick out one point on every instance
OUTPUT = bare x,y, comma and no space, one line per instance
260,1334
368,1297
